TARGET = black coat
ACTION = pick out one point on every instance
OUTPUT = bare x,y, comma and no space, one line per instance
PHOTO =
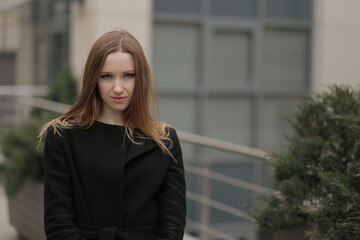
100,185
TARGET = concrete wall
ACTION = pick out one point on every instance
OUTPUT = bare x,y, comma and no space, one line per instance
25,51
92,18
16,34
336,43
9,44
9,29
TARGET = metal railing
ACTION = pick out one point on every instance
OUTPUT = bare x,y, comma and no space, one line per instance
203,227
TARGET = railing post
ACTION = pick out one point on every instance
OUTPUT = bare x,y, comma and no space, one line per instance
205,209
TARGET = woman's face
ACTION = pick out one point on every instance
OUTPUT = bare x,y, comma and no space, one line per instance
116,83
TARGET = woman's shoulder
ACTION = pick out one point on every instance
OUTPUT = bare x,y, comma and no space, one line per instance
172,133
58,129
57,133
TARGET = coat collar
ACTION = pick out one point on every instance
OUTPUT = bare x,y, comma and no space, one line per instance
141,146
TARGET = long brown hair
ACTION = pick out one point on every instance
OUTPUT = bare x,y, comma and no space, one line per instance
142,112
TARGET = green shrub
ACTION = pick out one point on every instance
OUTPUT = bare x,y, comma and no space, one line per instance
20,145
318,174
22,155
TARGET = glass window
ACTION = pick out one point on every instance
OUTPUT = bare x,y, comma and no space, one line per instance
228,119
285,59
57,54
241,33
192,185
273,125
179,112
229,194
176,56
7,68
229,59
288,9
42,56
177,6
240,8
59,8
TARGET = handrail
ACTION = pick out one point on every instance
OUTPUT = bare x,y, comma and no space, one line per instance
219,144
230,180
216,204
23,90
43,104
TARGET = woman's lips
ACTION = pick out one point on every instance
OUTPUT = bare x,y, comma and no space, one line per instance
118,99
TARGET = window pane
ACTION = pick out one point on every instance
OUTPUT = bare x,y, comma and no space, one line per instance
7,68
288,9
177,6
285,59
192,184
273,126
229,59
175,56
179,112
227,119
241,8
232,195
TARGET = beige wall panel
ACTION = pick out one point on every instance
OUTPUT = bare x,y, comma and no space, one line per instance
339,12
24,59
341,63
25,50
9,30
127,7
93,18
136,26
80,36
336,43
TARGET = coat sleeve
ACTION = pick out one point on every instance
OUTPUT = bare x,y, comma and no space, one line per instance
171,198
58,195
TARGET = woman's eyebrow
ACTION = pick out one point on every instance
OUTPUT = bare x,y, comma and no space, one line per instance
131,70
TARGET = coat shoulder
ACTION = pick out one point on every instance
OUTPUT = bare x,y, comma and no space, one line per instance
171,132
172,135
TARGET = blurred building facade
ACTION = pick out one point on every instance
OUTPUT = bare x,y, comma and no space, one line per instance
37,32
9,22
257,58
227,69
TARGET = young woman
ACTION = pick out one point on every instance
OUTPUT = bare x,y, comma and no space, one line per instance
112,171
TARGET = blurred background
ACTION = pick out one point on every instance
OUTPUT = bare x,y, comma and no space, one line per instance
229,70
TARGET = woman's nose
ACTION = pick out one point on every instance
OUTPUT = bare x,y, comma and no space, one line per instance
118,87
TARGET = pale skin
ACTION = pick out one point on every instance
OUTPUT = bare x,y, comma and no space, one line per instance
116,85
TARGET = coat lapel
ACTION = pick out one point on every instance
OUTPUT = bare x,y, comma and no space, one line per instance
140,147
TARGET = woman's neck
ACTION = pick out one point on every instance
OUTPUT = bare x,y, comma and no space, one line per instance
111,118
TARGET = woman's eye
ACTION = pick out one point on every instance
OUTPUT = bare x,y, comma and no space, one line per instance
106,76
129,75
